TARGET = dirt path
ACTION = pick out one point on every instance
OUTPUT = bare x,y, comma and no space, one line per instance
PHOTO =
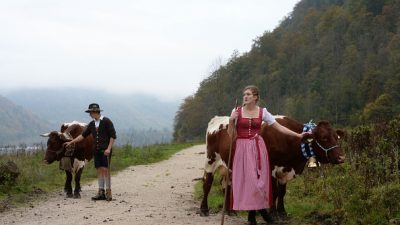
160,193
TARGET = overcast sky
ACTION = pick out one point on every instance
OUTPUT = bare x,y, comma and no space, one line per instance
161,47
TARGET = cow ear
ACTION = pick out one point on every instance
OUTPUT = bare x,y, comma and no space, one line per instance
45,135
341,133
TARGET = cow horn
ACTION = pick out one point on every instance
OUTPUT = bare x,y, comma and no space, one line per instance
67,136
45,135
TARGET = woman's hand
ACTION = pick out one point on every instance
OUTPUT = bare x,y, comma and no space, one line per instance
234,116
306,137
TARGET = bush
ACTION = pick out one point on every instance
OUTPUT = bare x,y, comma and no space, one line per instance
367,189
8,172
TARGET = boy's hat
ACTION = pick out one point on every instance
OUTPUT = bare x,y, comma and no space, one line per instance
94,107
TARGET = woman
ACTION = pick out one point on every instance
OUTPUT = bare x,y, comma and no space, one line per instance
251,175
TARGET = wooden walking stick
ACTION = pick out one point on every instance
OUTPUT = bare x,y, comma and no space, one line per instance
109,164
109,168
227,179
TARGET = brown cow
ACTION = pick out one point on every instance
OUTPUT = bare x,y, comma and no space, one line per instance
286,156
71,160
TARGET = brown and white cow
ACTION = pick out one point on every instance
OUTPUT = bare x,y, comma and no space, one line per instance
75,157
285,154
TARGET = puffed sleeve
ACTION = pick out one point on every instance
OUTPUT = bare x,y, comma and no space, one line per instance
268,117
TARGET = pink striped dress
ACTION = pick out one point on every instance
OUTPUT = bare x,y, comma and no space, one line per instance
251,175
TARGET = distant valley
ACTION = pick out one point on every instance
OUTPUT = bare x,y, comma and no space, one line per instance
139,119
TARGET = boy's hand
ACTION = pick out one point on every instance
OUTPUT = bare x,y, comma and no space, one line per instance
66,144
107,152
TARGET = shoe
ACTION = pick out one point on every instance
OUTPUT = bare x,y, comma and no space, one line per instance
108,195
266,216
251,218
100,195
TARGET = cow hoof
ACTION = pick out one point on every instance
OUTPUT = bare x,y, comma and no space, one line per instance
77,195
282,215
70,195
204,213
232,213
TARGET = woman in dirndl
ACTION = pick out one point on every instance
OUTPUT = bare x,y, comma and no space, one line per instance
251,175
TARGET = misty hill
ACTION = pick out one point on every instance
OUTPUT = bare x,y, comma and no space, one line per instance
18,125
132,114
329,59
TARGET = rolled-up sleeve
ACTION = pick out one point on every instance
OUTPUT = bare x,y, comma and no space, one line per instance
110,129
86,132
268,117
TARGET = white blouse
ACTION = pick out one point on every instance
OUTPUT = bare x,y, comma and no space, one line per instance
268,117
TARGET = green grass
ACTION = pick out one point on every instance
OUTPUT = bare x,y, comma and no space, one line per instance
216,196
328,195
302,203
37,178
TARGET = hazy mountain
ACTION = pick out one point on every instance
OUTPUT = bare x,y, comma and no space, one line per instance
131,114
18,125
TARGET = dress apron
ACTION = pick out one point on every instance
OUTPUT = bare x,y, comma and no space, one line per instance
251,175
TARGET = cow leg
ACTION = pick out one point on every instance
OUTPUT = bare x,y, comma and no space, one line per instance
275,191
68,185
207,183
78,183
281,195
228,202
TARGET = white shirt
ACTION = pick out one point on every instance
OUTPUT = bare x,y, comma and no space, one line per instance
97,122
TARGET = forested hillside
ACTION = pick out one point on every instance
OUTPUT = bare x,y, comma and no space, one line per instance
18,125
329,59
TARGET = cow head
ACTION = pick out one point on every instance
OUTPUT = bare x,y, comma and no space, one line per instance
326,143
55,146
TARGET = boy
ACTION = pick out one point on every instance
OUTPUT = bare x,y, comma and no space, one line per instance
103,132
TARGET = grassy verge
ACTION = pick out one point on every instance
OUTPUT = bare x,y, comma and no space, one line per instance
37,178
216,196
328,195
302,206
363,190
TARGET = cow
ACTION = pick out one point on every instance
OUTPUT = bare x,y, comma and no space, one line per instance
72,159
287,155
